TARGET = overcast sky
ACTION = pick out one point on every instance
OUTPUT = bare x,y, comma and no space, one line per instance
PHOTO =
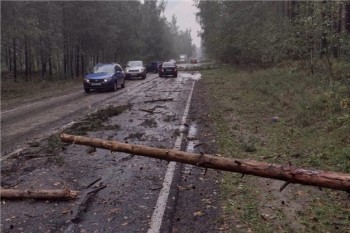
185,15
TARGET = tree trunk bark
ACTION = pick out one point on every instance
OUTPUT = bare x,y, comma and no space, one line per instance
14,61
77,70
50,62
43,62
83,65
30,62
38,194
10,59
65,58
71,68
26,62
290,174
347,17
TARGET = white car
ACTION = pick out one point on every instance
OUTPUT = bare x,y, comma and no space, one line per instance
135,69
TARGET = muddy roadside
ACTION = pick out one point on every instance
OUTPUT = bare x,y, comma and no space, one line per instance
198,202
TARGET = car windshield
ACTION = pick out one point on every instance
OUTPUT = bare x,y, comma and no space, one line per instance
135,63
168,64
103,69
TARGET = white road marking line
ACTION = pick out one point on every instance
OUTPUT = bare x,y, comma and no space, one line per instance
158,213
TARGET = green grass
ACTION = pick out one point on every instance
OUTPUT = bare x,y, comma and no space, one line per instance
281,116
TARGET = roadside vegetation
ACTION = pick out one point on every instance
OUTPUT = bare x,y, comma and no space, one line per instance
284,116
284,97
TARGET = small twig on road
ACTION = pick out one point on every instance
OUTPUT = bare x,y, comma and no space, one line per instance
146,110
86,197
97,189
200,144
156,188
284,185
159,100
92,183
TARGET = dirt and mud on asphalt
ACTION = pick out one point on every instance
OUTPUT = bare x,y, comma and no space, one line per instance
118,191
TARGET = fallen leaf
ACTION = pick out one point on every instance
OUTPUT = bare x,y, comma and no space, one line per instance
65,212
198,214
113,211
265,217
301,193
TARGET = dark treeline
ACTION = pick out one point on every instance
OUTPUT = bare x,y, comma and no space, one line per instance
265,32
67,38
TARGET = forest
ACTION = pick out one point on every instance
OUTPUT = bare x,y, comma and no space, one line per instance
271,32
65,39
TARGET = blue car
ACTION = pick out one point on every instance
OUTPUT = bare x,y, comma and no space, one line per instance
105,77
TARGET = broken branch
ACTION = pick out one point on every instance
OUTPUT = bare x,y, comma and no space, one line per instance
38,194
147,110
290,174
157,100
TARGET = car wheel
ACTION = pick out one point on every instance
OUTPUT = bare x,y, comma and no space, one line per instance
123,84
114,88
144,77
87,90
175,75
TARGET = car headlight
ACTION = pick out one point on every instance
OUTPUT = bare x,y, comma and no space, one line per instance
107,79
87,80
126,70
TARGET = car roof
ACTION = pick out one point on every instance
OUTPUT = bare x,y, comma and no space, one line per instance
168,63
104,64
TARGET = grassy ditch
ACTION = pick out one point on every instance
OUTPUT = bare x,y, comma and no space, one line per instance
282,116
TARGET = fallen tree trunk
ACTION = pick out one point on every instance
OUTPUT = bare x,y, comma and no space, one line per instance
290,174
38,194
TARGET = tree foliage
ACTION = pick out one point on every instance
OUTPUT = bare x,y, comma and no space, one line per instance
68,37
261,32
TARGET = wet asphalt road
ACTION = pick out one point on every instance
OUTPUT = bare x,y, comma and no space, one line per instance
125,188
33,121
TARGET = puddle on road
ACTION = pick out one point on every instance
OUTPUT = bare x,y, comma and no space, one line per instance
192,132
192,137
149,123
190,75
192,141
